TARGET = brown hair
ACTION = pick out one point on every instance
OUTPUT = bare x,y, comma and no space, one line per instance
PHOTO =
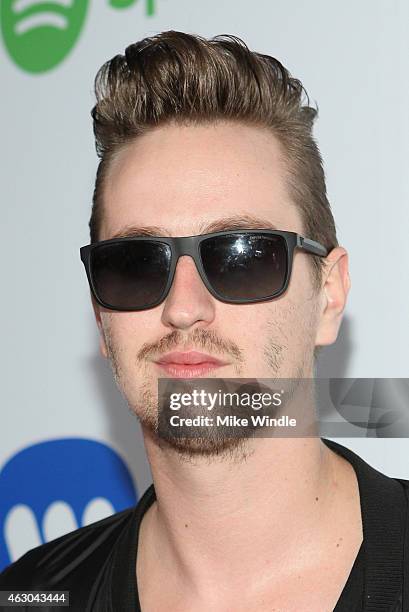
185,78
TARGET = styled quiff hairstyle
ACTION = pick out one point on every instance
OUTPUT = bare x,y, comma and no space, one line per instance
175,77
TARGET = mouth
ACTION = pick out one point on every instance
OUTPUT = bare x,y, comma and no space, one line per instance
189,364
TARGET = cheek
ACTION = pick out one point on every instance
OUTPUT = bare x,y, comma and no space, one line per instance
124,331
298,307
289,322
284,316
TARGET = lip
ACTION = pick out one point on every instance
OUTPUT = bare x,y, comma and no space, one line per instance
189,364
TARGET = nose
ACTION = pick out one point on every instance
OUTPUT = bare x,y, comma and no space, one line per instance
188,301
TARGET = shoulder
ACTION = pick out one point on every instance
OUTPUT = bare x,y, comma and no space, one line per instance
404,483
57,564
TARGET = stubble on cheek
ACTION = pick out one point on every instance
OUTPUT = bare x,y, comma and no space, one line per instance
290,332
113,358
117,357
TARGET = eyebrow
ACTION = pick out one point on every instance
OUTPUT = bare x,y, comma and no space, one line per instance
219,225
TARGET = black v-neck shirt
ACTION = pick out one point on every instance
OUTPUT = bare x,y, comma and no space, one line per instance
97,563
352,596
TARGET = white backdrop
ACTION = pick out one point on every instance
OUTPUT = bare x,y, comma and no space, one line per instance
353,58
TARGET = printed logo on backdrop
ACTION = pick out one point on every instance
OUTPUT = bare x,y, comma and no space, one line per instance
54,487
39,35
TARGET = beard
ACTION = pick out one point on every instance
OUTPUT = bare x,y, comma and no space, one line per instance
214,442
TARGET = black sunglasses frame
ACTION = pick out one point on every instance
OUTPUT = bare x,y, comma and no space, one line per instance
190,245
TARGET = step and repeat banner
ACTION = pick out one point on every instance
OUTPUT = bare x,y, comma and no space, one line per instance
70,451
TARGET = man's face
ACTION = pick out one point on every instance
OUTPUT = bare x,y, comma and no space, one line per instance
183,179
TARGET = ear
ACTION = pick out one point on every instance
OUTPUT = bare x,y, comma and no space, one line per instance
102,342
336,284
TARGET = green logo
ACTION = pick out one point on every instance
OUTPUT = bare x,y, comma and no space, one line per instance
38,35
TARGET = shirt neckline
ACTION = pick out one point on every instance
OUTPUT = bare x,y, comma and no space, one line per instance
383,512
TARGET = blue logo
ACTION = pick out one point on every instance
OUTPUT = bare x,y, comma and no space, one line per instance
51,488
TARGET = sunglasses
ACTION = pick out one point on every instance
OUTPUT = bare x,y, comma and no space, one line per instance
238,266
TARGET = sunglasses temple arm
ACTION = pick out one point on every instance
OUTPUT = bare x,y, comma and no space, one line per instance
311,246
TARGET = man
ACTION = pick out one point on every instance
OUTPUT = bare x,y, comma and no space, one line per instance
205,139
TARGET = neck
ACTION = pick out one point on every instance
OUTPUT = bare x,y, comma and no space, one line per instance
217,517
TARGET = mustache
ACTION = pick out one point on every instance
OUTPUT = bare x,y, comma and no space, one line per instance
206,340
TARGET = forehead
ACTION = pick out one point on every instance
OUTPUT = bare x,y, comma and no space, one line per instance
183,180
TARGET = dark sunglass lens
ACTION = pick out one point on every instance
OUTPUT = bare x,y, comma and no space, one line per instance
245,266
130,275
